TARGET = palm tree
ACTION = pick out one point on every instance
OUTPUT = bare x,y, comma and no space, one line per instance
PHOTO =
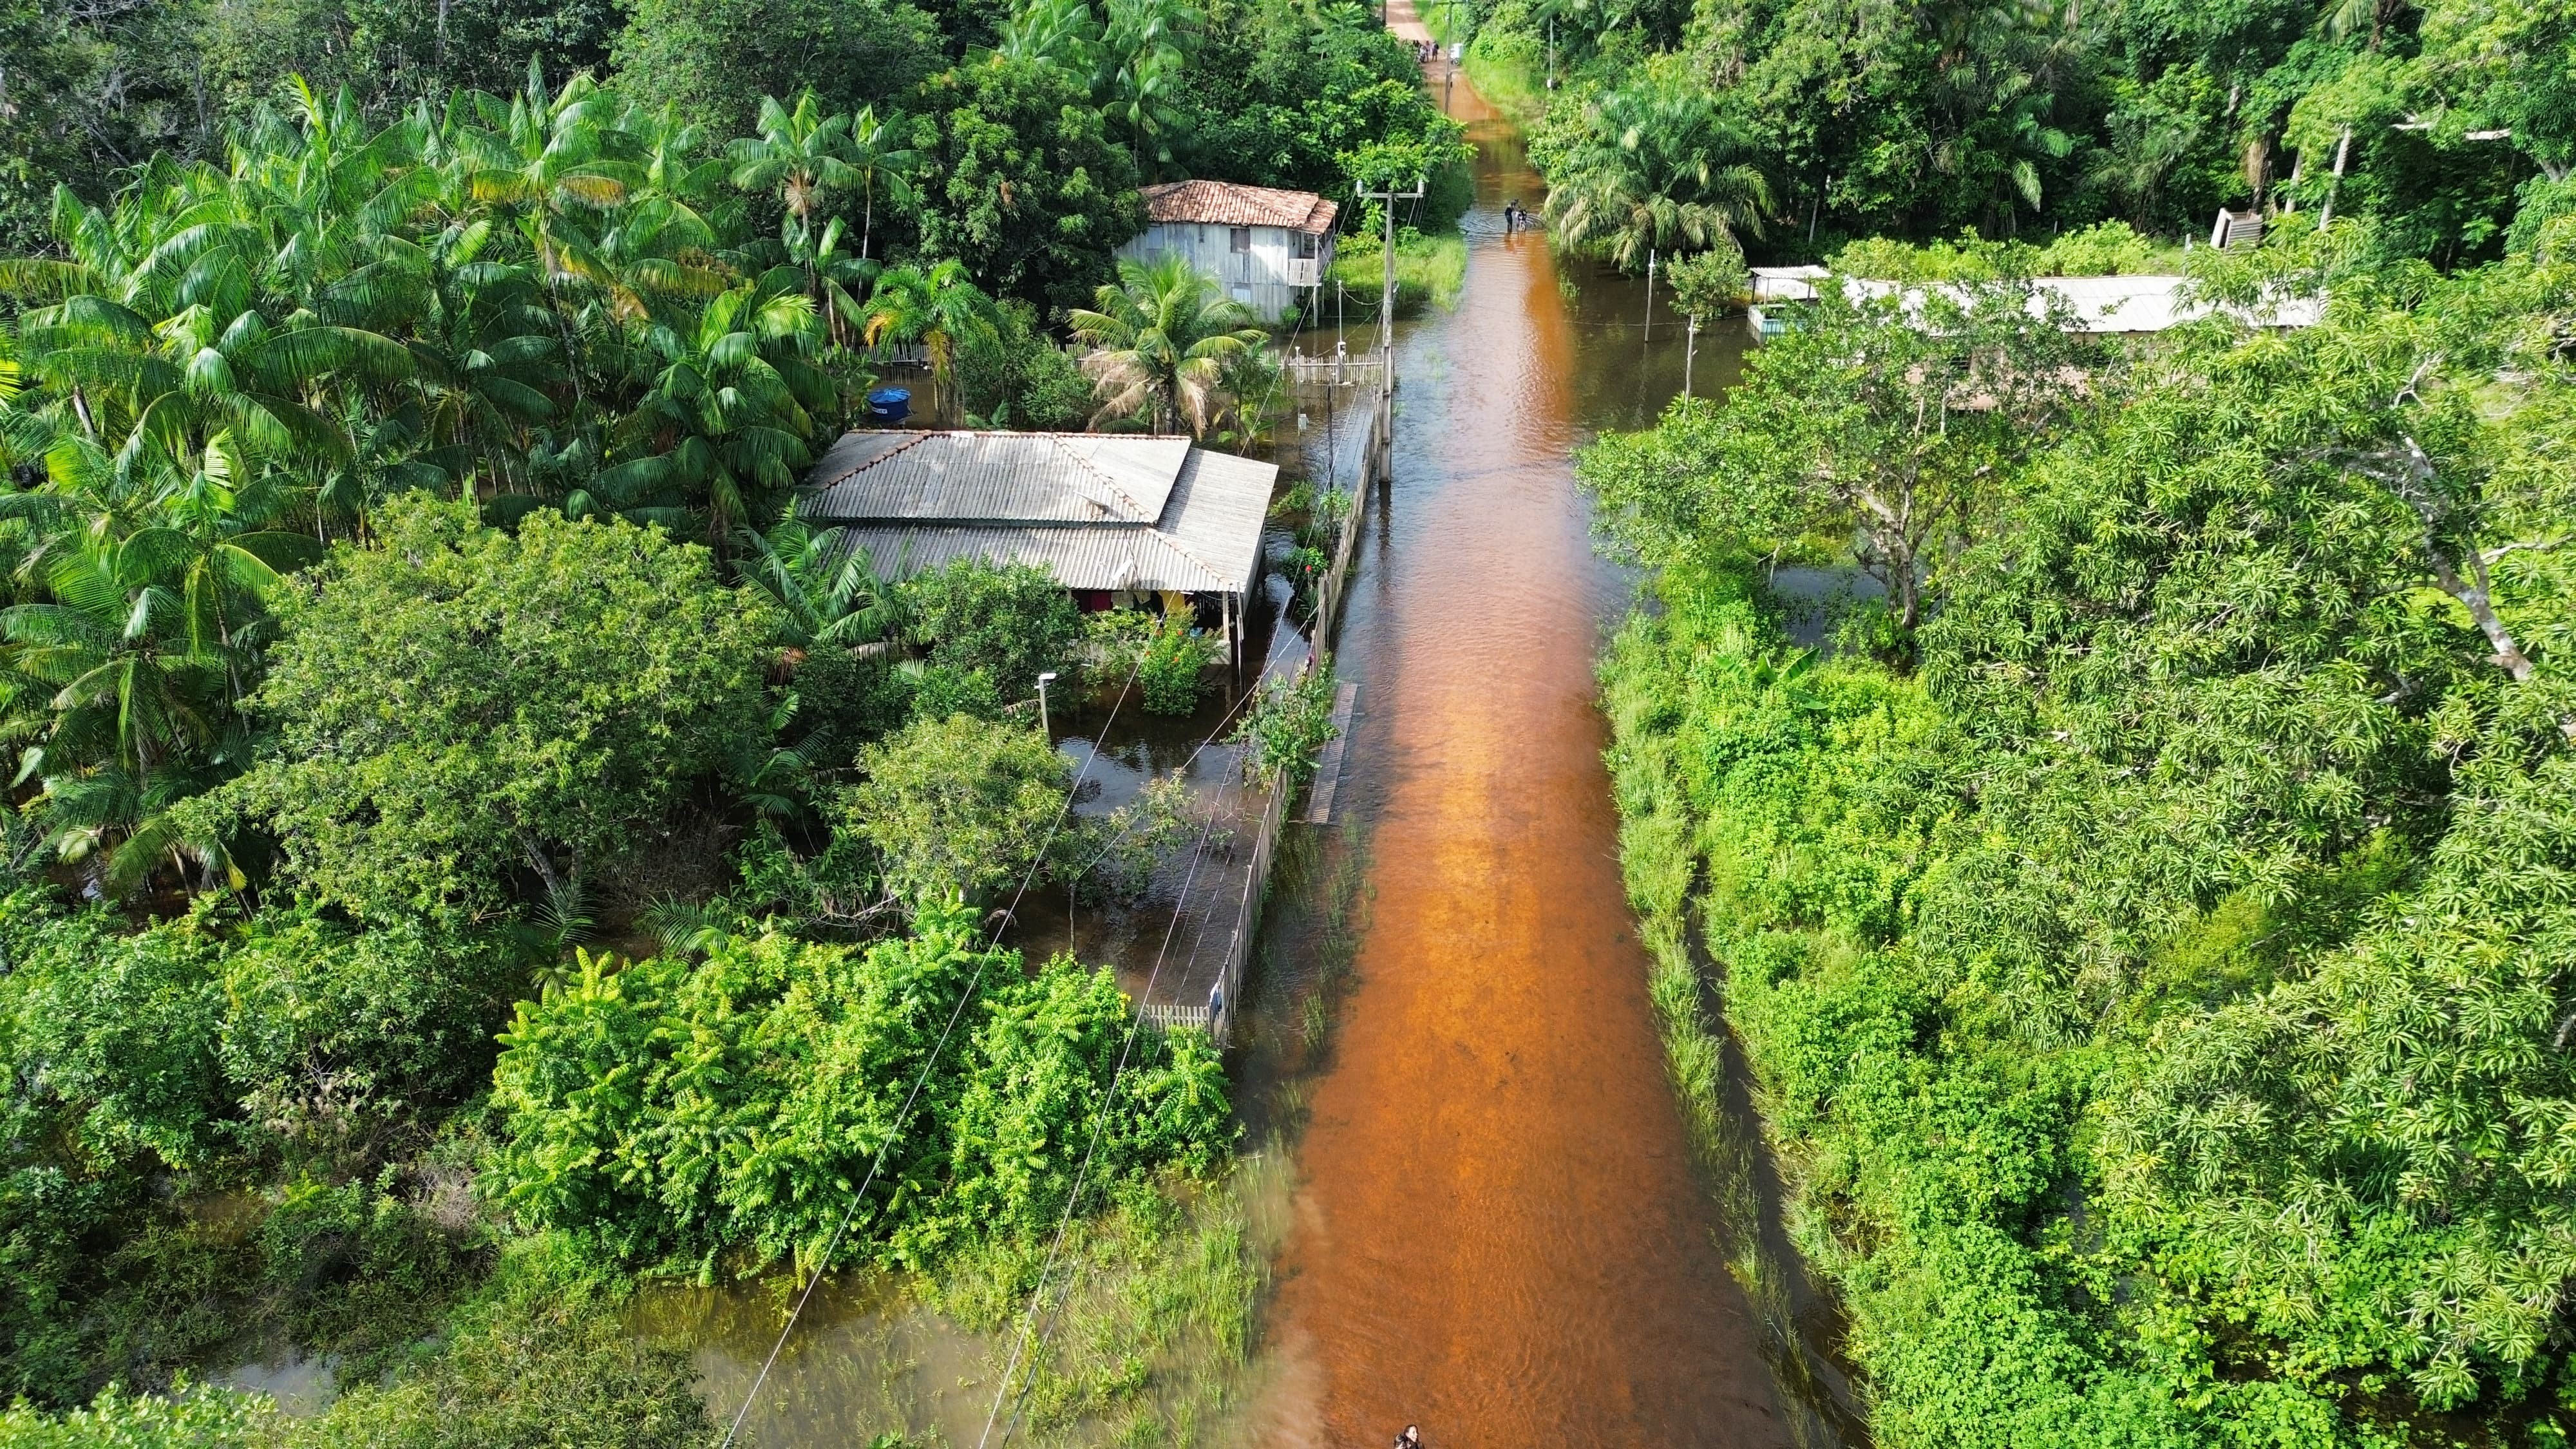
936,306
832,277
1063,35
877,153
797,151
724,423
1657,169
1163,340
1138,71
827,589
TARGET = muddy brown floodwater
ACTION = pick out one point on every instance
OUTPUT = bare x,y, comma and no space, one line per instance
1498,1230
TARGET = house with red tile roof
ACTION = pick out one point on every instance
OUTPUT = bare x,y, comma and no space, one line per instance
1265,247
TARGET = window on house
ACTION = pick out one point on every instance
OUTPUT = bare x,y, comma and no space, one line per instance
1304,245
1242,239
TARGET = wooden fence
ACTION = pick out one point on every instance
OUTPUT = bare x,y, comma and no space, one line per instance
1365,466
1363,470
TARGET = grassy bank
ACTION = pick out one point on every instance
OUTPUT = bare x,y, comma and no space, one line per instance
1509,70
1428,272
1661,867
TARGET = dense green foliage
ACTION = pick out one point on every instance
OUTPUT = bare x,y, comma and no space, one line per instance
2154,965
1794,125
721,1114
531,700
201,1047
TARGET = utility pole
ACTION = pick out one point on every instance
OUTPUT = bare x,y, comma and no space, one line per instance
1650,294
1690,347
1386,301
1551,52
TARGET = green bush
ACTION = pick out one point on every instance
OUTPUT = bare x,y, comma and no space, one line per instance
1166,655
1287,727
1174,672
2157,996
541,1360
1012,622
748,1095
186,1418
332,1038
956,808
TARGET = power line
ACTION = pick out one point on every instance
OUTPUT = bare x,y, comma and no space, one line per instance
1100,1124
904,1116
1099,1129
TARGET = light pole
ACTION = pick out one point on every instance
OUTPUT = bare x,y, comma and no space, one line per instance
1650,294
1044,727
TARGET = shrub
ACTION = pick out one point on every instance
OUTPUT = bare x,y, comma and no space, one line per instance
955,808
541,1361
1287,727
1012,622
189,1417
752,1091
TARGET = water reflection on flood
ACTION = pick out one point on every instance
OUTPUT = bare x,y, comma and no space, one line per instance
1489,1220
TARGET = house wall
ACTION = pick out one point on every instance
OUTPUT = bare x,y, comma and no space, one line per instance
1257,278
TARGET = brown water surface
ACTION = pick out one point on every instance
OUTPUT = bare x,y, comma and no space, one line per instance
1498,1231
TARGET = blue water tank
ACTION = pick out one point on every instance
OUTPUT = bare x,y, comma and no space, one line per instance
890,404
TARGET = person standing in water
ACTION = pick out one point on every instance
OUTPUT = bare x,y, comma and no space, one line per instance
1411,1438
1511,216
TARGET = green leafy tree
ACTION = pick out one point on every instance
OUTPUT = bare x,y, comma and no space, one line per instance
958,808
1007,622
461,705
1023,184
1897,419
716,62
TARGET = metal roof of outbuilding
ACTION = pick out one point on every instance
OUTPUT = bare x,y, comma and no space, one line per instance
999,477
1072,503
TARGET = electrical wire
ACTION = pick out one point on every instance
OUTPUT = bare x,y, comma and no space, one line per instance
1099,1129
1100,1125
903,1117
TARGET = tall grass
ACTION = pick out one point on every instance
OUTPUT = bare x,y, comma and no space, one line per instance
1509,69
1429,270
1659,861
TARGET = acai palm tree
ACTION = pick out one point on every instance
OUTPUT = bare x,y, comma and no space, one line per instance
936,306
799,152
1163,341
1657,169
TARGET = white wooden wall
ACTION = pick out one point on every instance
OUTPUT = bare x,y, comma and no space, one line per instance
1257,278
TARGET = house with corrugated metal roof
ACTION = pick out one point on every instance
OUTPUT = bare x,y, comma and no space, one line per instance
1119,518
1262,244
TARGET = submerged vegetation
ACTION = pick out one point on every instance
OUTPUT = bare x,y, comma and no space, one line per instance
473,848
2142,915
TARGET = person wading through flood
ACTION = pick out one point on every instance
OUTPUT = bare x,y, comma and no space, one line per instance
1411,1438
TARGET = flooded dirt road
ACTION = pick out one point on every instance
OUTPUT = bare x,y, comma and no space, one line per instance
1498,1233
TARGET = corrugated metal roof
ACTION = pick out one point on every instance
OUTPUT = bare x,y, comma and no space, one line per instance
2117,304
989,477
1227,203
1207,537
